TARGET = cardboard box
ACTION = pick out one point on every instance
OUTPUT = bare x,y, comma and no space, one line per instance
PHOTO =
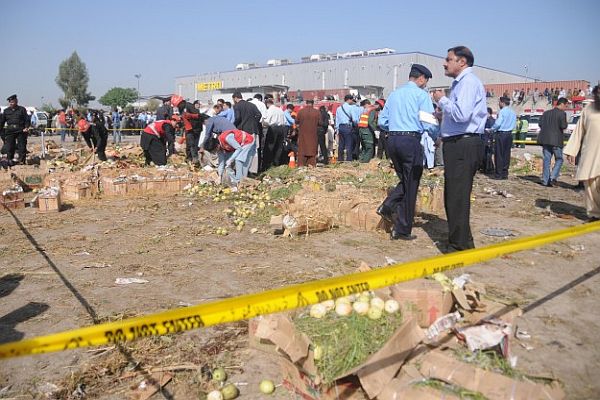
493,386
49,203
12,204
73,191
301,375
423,299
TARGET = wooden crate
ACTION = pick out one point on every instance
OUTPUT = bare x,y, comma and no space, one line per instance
12,204
49,204
74,191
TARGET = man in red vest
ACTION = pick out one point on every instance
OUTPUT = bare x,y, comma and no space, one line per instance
153,140
235,147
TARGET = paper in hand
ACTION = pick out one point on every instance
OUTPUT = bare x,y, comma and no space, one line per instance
429,118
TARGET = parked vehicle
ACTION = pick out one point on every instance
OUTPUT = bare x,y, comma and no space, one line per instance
533,118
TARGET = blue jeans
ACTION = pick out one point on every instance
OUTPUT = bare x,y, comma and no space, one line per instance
116,134
550,151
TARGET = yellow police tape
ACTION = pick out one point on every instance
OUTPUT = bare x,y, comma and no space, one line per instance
247,306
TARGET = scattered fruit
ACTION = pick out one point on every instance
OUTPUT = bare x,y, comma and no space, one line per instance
391,306
267,386
215,395
230,391
219,375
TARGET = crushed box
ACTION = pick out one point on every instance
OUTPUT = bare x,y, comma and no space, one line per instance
425,299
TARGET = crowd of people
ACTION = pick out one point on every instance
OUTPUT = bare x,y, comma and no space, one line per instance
414,129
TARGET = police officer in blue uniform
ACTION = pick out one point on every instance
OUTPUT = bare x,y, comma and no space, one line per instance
14,125
400,117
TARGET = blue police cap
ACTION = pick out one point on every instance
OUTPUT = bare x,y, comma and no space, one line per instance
421,69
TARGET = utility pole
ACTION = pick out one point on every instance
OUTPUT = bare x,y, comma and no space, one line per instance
138,76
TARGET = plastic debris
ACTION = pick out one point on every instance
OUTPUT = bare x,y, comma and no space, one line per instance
497,232
128,281
390,261
461,281
442,324
487,335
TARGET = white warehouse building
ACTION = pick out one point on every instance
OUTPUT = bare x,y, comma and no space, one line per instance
372,73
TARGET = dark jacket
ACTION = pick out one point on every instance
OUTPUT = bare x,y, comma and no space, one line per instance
16,119
247,117
552,124
164,112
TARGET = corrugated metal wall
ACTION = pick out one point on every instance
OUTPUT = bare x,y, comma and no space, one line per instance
387,71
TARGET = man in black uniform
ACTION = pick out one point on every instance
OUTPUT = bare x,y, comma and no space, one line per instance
14,126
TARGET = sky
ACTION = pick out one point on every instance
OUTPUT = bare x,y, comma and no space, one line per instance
162,40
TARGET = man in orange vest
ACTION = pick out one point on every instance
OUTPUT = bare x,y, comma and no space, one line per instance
366,131
84,129
153,140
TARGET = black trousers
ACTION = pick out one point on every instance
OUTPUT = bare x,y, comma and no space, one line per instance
462,157
487,165
191,145
382,145
502,146
406,153
355,144
322,138
15,142
273,145
168,141
87,136
154,148
101,141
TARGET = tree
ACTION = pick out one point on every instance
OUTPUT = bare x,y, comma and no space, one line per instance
152,105
73,80
118,97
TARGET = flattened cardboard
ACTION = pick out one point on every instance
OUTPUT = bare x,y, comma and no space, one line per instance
381,367
423,299
280,330
493,386
303,386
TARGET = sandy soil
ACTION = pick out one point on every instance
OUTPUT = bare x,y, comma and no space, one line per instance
58,272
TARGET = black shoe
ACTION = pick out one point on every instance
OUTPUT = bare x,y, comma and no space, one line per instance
549,184
400,236
385,212
554,182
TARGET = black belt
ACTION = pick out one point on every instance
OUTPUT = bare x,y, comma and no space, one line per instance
458,137
504,132
345,125
405,133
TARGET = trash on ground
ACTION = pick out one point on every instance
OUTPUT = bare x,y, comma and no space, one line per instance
128,281
497,232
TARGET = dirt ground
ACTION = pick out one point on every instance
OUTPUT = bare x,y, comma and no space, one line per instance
58,272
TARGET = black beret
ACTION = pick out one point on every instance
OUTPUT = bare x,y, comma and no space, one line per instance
422,69
348,97
13,97
505,100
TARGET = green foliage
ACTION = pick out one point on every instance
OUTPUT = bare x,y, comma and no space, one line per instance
118,97
346,341
285,192
152,105
73,80
49,109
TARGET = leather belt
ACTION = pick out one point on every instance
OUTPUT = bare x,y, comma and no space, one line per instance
405,133
458,137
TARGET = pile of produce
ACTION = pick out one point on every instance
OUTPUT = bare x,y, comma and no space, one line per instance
345,332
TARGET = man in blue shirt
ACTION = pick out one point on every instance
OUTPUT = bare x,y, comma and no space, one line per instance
227,112
215,125
400,117
463,122
346,122
502,128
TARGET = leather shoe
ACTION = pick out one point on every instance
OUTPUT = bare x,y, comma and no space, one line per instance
401,236
385,212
